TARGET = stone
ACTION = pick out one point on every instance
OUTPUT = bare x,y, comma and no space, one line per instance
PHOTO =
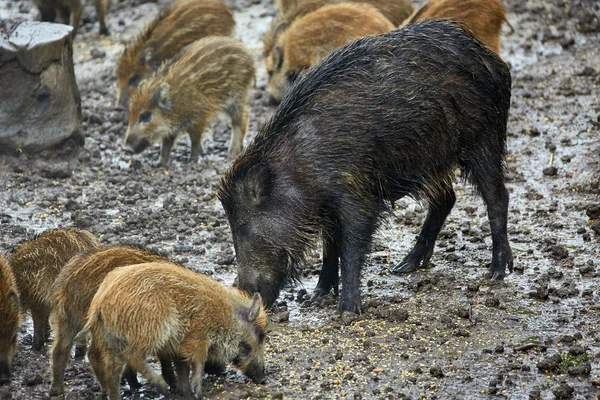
40,105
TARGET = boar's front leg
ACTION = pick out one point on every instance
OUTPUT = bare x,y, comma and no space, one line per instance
197,151
329,276
358,223
420,255
165,150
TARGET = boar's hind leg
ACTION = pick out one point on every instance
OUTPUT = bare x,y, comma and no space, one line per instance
357,227
137,361
40,328
184,387
420,255
329,276
101,9
166,369
130,376
108,370
495,195
61,351
75,16
196,139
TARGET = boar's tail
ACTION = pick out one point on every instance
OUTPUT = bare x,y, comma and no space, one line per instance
88,325
512,30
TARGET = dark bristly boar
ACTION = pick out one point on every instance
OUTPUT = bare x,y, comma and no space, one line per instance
71,296
212,75
10,320
36,264
180,312
396,11
483,18
383,117
69,12
178,25
312,37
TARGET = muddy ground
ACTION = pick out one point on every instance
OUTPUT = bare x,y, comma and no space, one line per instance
445,333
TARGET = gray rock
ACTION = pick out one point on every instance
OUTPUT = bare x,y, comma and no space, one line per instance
40,105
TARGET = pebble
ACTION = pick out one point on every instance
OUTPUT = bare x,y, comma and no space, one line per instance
398,315
550,363
585,368
436,372
550,171
33,380
559,251
563,391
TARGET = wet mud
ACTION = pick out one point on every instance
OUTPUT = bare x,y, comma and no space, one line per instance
443,333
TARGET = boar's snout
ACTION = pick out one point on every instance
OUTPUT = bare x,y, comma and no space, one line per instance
122,100
256,373
136,144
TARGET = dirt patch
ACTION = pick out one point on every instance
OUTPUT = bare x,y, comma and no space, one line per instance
446,332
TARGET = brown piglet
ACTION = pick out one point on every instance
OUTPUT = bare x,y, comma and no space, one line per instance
10,317
396,11
483,18
212,75
36,264
314,36
179,311
71,296
175,27
69,12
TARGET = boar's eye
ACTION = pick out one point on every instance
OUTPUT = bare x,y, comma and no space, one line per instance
145,117
134,80
245,349
292,77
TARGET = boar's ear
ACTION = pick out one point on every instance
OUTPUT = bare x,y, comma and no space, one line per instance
280,28
259,181
161,97
149,60
277,58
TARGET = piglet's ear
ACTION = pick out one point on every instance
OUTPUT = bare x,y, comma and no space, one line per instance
149,60
277,57
161,97
259,183
249,314
255,307
14,297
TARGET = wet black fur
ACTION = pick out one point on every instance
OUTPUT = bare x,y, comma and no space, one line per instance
383,117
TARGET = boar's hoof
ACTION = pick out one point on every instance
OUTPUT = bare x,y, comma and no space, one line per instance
161,388
348,317
318,293
406,266
56,391
104,31
4,378
497,276
350,305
